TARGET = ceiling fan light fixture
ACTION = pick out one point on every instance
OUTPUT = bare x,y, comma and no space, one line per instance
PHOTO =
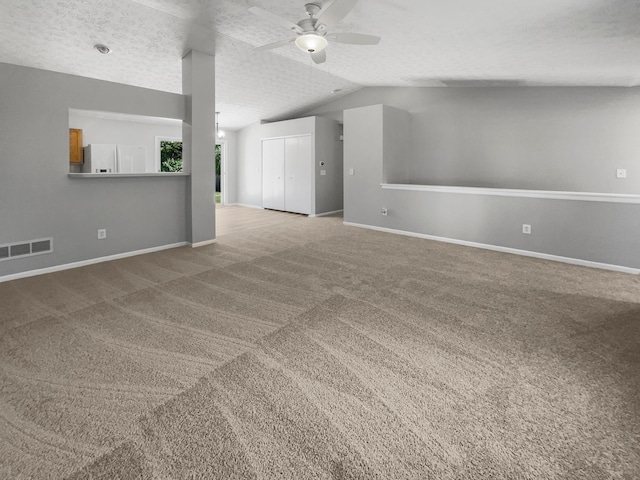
311,43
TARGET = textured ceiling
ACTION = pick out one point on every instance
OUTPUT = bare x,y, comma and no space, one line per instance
424,43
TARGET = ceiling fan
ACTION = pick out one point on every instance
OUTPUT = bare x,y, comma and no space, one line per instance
313,32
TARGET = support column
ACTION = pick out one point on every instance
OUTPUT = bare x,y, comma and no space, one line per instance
199,146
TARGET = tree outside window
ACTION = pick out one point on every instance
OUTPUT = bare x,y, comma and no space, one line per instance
218,171
171,160
170,156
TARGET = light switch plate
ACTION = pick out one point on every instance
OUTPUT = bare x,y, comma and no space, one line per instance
323,172
351,171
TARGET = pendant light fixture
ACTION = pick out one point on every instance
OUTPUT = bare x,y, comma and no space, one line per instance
219,133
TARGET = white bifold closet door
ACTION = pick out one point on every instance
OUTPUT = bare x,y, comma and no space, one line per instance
273,174
286,174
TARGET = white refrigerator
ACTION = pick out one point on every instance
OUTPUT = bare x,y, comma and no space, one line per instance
111,158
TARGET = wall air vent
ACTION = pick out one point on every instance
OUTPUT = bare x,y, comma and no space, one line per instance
29,248
41,246
20,249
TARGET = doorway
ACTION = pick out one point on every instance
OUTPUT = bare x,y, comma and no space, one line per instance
221,174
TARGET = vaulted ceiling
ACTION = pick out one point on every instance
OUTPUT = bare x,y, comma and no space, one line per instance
425,43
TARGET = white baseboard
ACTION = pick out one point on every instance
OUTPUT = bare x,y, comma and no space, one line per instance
245,205
326,214
84,263
496,248
202,244
509,192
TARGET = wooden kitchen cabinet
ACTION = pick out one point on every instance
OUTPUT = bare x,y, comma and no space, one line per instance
75,146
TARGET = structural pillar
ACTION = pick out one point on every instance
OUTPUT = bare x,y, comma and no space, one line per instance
199,146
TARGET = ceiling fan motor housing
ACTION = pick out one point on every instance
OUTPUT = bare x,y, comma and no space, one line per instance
308,25
312,9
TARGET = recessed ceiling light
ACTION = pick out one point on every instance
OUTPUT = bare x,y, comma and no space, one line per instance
102,48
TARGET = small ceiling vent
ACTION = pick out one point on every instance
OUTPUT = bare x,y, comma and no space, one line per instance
9,251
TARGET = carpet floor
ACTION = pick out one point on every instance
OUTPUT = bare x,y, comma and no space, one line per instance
307,349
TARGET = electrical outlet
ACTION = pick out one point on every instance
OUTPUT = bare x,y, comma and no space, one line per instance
384,212
621,173
526,229
102,233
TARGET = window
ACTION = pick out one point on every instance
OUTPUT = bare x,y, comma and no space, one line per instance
168,154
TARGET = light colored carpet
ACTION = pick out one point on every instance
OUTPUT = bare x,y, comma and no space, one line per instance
306,349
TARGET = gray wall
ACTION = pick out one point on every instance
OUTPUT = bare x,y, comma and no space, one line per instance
592,231
230,149
543,138
329,187
363,131
249,166
38,199
396,145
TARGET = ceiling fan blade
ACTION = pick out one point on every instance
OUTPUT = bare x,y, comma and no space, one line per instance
354,38
335,12
272,17
319,57
271,46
